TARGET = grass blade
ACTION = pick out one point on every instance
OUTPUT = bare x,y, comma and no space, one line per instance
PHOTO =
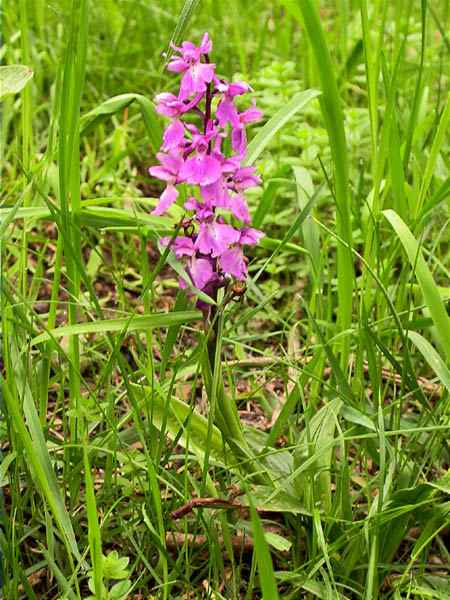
260,141
441,133
94,534
432,357
265,566
133,323
35,448
186,13
429,289
334,120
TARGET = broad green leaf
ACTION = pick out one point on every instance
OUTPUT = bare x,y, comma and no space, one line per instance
277,541
283,502
356,416
429,289
32,212
7,216
265,204
432,357
118,103
13,78
274,244
94,216
321,430
442,484
133,323
178,417
263,137
310,230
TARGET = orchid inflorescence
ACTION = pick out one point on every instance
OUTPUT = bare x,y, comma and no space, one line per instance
211,249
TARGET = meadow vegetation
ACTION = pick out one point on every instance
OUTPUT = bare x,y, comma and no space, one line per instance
305,454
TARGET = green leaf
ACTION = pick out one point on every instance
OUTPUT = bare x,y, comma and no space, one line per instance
310,230
94,534
356,416
441,133
35,448
277,541
263,559
263,137
429,289
186,13
283,502
321,430
133,323
13,78
442,484
118,103
177,416
307,13
115,567
96,216
120,590
432,357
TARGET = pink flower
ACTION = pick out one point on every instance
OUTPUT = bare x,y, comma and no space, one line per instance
170,167
173,135
183,246
226,110
201,169
244,178
250,236
214,238
167,198
168,171
203,211
171,106
232,262
235,88
239,208
238,135
201,271
196,74
227,113
194,154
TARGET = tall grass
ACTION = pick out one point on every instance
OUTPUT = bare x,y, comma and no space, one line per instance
306,455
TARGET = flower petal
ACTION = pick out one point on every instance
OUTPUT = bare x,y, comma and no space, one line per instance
201,169
183,246
233,263
167,198
250,236
173,135
201,271
177,65
239,208
227,113
160,173
214,238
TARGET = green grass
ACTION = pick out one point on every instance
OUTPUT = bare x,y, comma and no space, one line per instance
116,407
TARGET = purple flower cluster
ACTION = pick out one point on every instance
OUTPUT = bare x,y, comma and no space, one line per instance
211,249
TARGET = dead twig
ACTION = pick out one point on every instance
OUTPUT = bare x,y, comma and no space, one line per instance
205,503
